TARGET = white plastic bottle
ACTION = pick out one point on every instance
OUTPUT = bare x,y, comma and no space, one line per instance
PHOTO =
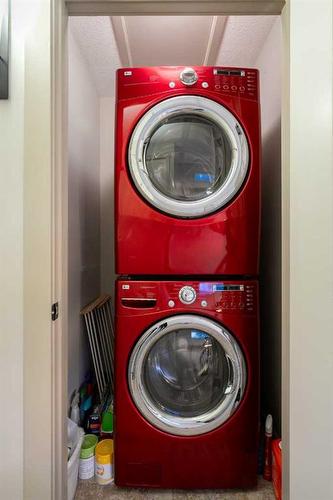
75,410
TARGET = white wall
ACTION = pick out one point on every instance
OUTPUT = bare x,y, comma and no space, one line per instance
25,257
107,115
307,229
269,64
83,206
11,266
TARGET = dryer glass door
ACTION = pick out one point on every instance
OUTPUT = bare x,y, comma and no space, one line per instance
188,156
187,375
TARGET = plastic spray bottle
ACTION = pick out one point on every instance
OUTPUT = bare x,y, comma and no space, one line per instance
268,448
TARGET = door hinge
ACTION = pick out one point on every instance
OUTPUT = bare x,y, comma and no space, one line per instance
55,311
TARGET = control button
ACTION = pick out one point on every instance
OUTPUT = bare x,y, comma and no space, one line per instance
188,76
233,87
217,87
172,85
205,85
187,295
204,303
171,303
225,87
242,88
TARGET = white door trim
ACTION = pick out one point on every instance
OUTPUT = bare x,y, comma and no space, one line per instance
59,107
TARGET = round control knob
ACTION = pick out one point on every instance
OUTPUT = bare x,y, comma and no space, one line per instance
171,303
188,76
187,295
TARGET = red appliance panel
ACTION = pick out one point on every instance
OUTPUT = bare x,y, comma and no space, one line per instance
223,458
134,82
150,242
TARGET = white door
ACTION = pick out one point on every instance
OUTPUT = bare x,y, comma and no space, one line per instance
187,375
188,156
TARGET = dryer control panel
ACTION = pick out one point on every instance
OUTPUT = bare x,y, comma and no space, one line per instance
225,81
213,296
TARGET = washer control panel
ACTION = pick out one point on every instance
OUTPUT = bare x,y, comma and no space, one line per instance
222,297
187,295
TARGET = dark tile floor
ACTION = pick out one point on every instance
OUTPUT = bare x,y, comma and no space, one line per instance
90,490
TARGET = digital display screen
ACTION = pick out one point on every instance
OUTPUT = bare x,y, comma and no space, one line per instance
228,72
221,287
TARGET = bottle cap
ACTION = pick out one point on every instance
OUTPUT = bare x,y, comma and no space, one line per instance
88,446
104,451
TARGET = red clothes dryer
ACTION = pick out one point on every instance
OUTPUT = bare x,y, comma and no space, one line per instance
186,386
187,171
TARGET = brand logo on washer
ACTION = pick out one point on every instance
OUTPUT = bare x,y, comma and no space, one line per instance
125,287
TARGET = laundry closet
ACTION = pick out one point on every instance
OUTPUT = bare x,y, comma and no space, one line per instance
97,48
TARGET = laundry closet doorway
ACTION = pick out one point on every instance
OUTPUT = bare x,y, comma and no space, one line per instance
293,267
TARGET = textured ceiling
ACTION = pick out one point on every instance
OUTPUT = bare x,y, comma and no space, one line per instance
166,40
176,41
243,39
95,38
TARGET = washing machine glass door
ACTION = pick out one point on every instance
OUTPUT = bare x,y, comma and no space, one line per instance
188,156
187,375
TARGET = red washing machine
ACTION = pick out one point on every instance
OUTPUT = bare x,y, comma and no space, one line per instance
187,171
187,396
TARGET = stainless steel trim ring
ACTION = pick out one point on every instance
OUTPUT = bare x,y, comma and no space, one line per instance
210,110
187,426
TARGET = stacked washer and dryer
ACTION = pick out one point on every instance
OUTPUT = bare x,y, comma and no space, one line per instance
187,191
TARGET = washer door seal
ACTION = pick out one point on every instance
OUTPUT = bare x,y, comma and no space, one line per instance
187,375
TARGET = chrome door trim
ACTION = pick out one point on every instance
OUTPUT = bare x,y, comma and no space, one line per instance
187,426
208,109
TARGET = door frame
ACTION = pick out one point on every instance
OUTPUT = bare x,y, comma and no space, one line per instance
59,128
291,264
60,184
